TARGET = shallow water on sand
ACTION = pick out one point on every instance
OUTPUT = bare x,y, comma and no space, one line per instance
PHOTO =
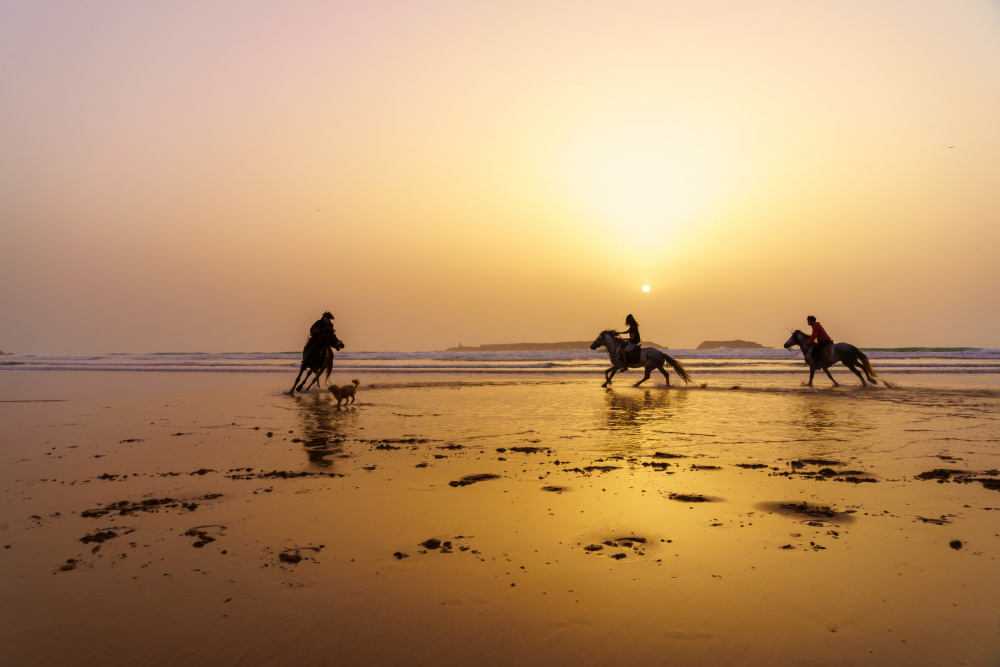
765,524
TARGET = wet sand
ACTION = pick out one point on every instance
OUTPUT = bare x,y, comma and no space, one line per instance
189,518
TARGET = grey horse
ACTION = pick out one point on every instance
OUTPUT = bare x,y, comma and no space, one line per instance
649,358
844,353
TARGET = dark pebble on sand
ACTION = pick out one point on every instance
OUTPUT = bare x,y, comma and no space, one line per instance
431,544
955,544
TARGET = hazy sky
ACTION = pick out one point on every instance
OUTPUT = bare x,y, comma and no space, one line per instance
210,176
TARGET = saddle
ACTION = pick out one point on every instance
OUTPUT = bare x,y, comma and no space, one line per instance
820,351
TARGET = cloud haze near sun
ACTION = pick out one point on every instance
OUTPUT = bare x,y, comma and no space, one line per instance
211,177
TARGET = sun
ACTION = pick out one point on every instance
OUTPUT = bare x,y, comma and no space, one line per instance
645,288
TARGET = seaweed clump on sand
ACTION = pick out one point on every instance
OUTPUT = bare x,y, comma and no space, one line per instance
689,498
822,512
125,507
988,478
472,479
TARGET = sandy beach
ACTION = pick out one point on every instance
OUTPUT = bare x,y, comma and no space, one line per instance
199,518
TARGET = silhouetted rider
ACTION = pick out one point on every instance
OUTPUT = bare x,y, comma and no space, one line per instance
634,339
821,338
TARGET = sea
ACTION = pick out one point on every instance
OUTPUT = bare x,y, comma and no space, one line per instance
957,363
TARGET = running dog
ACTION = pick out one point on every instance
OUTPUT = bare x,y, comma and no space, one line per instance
345,392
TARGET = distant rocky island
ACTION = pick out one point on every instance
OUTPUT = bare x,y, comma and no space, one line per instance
529,347
732,344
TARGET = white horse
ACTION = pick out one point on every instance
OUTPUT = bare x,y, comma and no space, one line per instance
649,358
844,353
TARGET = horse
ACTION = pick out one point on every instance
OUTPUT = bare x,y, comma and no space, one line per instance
649,358
844,353
317,356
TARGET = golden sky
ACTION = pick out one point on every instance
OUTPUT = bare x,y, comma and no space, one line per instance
191,176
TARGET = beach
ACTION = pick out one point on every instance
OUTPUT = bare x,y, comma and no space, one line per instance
495,518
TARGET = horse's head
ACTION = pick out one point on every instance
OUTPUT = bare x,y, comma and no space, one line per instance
797,338
603,339
328,337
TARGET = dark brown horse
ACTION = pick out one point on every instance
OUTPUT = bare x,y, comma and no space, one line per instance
317,356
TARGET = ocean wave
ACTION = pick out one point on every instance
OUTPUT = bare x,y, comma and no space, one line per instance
973,361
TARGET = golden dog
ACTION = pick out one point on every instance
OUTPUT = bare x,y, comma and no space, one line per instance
345,392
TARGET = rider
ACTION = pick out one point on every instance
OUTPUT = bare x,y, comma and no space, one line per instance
323,323
821,338
633,339
321,329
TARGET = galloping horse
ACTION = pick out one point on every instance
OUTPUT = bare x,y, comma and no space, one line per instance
317,356
649,358
844,353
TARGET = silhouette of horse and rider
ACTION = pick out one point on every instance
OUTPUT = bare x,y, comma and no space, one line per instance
317,355
820,352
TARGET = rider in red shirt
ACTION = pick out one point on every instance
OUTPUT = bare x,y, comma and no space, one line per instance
821,338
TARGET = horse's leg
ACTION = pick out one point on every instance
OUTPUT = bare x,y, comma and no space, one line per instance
316,377
666,375
608,374
855,370
305,379
649,369
301,368
812,372
826,369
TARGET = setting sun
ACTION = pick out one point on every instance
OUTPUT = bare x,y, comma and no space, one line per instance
645,288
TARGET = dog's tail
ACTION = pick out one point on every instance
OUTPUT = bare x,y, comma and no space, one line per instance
356,382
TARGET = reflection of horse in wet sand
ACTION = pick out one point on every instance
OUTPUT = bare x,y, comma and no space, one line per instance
321,429
317,356
649,358
843,353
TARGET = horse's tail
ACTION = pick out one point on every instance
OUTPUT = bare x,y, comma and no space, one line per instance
327,364
677,368
867,364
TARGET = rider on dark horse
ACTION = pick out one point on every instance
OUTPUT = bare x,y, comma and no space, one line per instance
321,333
317,354
634,340
324,323
822,339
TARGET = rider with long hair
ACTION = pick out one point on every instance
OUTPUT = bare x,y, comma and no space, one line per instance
821,338
634,339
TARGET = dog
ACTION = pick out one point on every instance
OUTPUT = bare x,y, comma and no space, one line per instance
345,392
